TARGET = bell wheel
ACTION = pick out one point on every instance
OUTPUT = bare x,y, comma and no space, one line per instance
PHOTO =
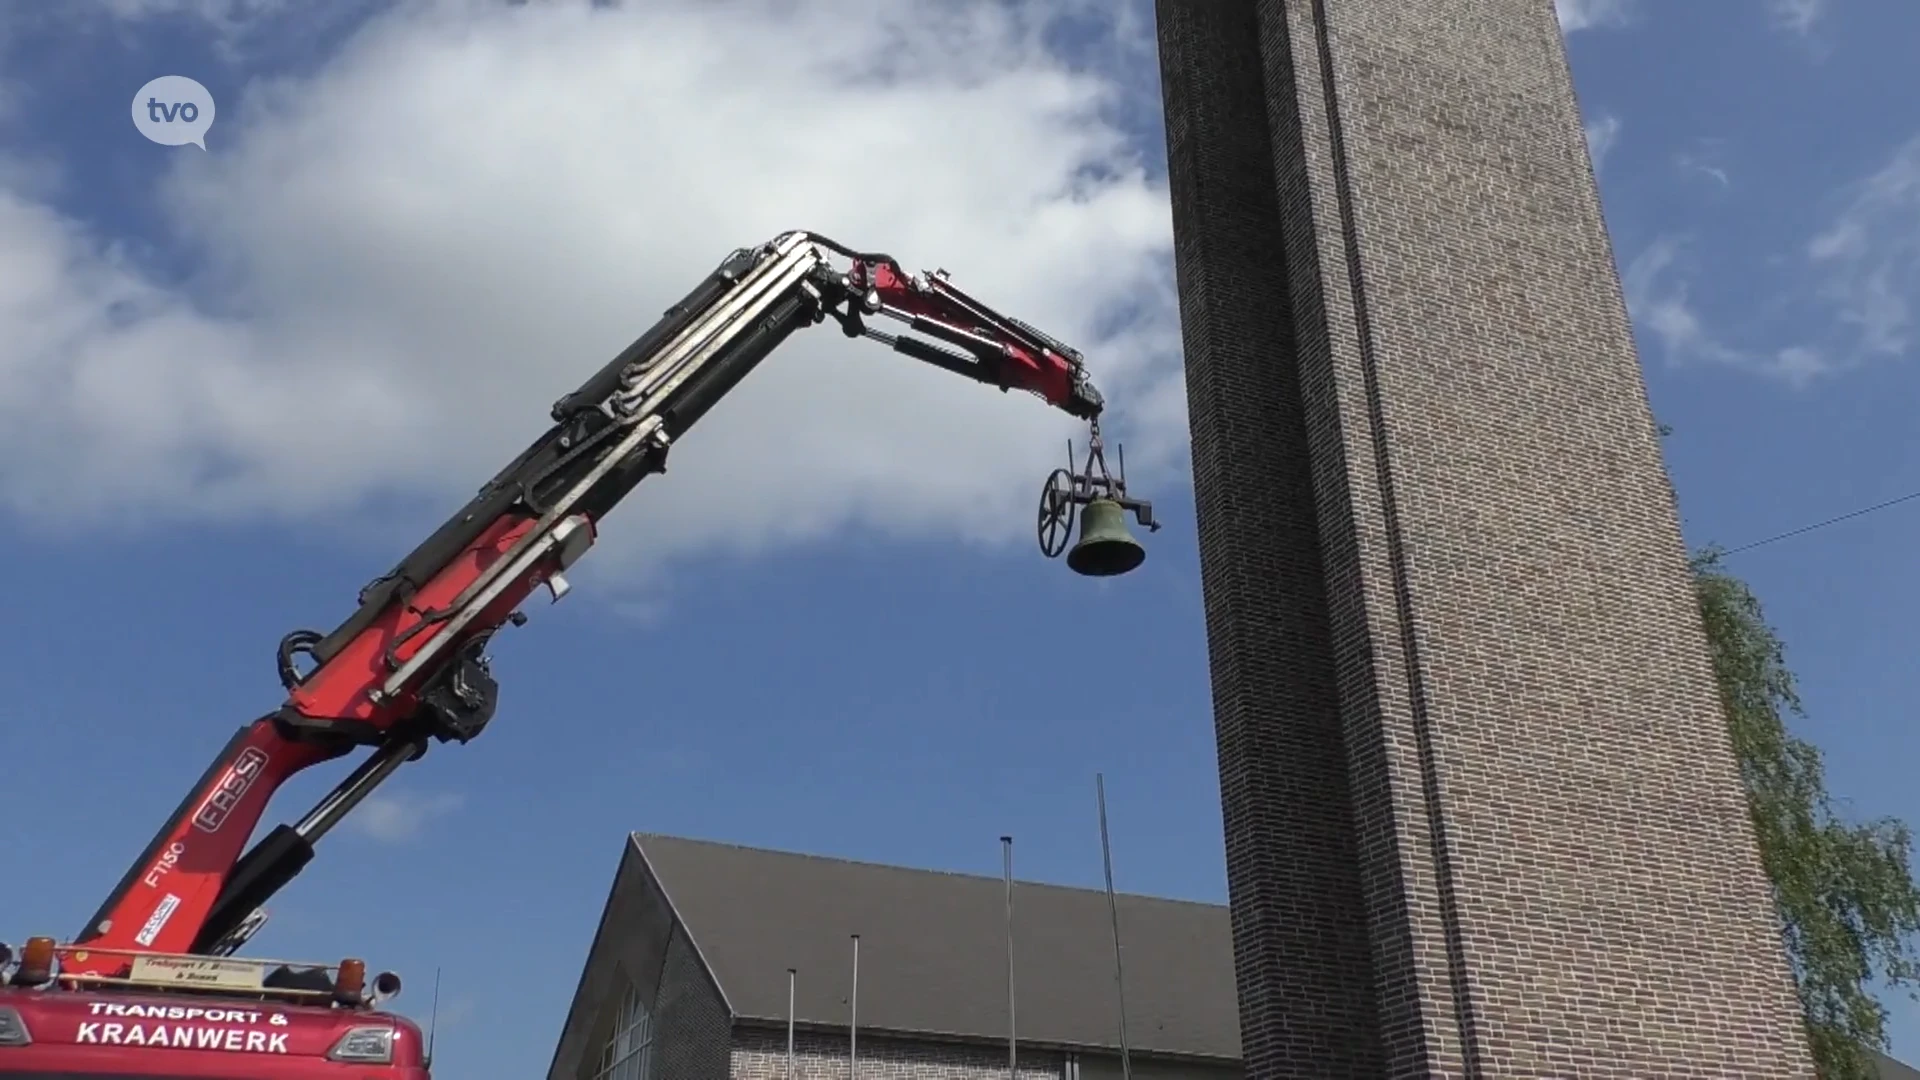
1057,512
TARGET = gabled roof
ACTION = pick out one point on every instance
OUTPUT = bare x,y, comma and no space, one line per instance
933,950
1889,1069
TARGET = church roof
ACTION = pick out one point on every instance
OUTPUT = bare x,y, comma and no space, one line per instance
933,950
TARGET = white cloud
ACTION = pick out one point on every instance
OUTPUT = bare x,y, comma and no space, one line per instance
231,27
395,817
1715,173
219,13
1660,300
1796,16
1657,284
1602,133
406,256
1578,15
1868,257
1859,273
1705,158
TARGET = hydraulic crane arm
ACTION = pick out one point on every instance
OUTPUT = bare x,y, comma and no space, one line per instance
409,666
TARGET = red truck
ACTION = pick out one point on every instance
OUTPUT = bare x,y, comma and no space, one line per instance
150,987
175,1015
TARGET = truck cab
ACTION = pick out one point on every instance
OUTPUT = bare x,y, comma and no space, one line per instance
74,1013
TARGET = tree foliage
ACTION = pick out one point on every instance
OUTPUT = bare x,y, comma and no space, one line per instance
1849,907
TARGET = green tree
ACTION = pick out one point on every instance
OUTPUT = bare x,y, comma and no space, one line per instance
1848,903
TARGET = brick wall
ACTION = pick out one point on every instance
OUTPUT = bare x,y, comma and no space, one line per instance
1107,1067
1292,869
1482,816
759,1054
762,1055
643,947
693,1030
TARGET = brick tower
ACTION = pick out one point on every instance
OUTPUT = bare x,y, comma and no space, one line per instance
1482,816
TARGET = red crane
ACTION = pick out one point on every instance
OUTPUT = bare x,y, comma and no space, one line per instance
409,667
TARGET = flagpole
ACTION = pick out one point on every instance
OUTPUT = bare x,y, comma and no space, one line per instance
853,1015
1113,913
1006,858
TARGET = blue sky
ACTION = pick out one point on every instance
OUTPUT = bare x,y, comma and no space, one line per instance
243,381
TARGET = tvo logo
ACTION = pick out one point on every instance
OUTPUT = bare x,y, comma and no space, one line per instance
228,792
162,112
174,110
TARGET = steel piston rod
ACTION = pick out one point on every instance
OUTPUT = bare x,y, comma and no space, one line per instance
357,785
327,813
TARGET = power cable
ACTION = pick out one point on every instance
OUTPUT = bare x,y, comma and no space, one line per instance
1909,497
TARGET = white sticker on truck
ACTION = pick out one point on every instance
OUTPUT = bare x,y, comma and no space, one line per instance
158,920
183,1012
182,1037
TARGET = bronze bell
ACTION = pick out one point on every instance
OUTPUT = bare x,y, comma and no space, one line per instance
1106,547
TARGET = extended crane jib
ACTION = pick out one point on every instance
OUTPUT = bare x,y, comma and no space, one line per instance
409,666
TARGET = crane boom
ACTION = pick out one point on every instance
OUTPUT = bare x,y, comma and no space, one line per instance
409,666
